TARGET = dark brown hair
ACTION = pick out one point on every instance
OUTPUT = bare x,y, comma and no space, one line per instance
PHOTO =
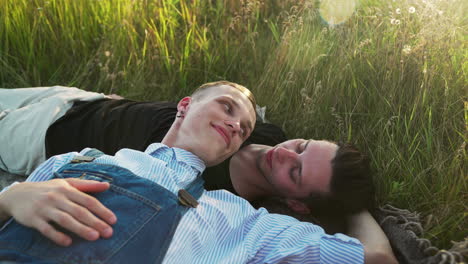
351,184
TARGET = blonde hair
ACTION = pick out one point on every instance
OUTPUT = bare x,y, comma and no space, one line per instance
197,93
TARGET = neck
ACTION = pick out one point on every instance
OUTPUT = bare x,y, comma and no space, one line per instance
173,138
176,137
247,179
170,139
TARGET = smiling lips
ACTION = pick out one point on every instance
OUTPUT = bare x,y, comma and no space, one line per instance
269,157
223,132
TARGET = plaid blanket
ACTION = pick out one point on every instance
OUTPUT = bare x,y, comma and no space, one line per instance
403,229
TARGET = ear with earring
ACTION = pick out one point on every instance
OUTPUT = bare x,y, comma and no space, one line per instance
183,106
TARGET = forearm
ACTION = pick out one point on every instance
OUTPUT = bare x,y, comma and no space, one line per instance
4,213
377,248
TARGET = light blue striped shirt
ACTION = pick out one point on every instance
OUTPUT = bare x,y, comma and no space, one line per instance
224,228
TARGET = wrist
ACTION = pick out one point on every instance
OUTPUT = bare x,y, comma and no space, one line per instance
5,213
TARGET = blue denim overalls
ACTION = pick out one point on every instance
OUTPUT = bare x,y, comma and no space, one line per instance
147,217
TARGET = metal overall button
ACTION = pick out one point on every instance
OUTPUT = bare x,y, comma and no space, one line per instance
78,159
186,199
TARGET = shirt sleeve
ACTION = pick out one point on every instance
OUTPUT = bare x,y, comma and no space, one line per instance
249,235
277,238
46,170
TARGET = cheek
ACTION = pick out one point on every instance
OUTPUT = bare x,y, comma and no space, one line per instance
195,128
283,182
236,143
198,120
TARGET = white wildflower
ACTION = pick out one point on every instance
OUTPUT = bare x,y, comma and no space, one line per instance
407,49
411,10
392,21
364,43
397,21
398,11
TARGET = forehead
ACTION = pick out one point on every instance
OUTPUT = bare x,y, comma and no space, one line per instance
222,90
316,165
240,100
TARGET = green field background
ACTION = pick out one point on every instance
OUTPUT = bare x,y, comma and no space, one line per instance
390,76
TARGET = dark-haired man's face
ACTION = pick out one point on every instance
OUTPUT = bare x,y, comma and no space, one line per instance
296,168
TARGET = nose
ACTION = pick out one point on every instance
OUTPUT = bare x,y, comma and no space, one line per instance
285,155
234,126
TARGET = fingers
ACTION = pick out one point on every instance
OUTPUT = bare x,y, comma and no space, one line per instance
51,233
93,205
70,223
115,96
81,219
88,185
81,213
90,202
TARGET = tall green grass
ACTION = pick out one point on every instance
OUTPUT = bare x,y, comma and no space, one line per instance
389,79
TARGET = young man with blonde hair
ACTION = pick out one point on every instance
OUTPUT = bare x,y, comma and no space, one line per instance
150,191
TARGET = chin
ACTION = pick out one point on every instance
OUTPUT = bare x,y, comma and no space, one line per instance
259,163
268,177
213,161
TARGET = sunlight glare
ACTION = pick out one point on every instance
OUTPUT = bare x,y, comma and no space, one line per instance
336,11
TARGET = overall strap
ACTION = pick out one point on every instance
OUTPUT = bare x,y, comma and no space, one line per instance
196,187
192,193
95,153
89,156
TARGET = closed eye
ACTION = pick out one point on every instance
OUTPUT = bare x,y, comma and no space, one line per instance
292,173
299,149
227,107
243,133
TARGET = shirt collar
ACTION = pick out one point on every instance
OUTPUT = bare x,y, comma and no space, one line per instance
180,154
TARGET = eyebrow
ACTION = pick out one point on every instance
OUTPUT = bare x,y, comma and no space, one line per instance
300,170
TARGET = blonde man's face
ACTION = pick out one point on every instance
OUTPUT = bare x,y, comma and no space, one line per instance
219,122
